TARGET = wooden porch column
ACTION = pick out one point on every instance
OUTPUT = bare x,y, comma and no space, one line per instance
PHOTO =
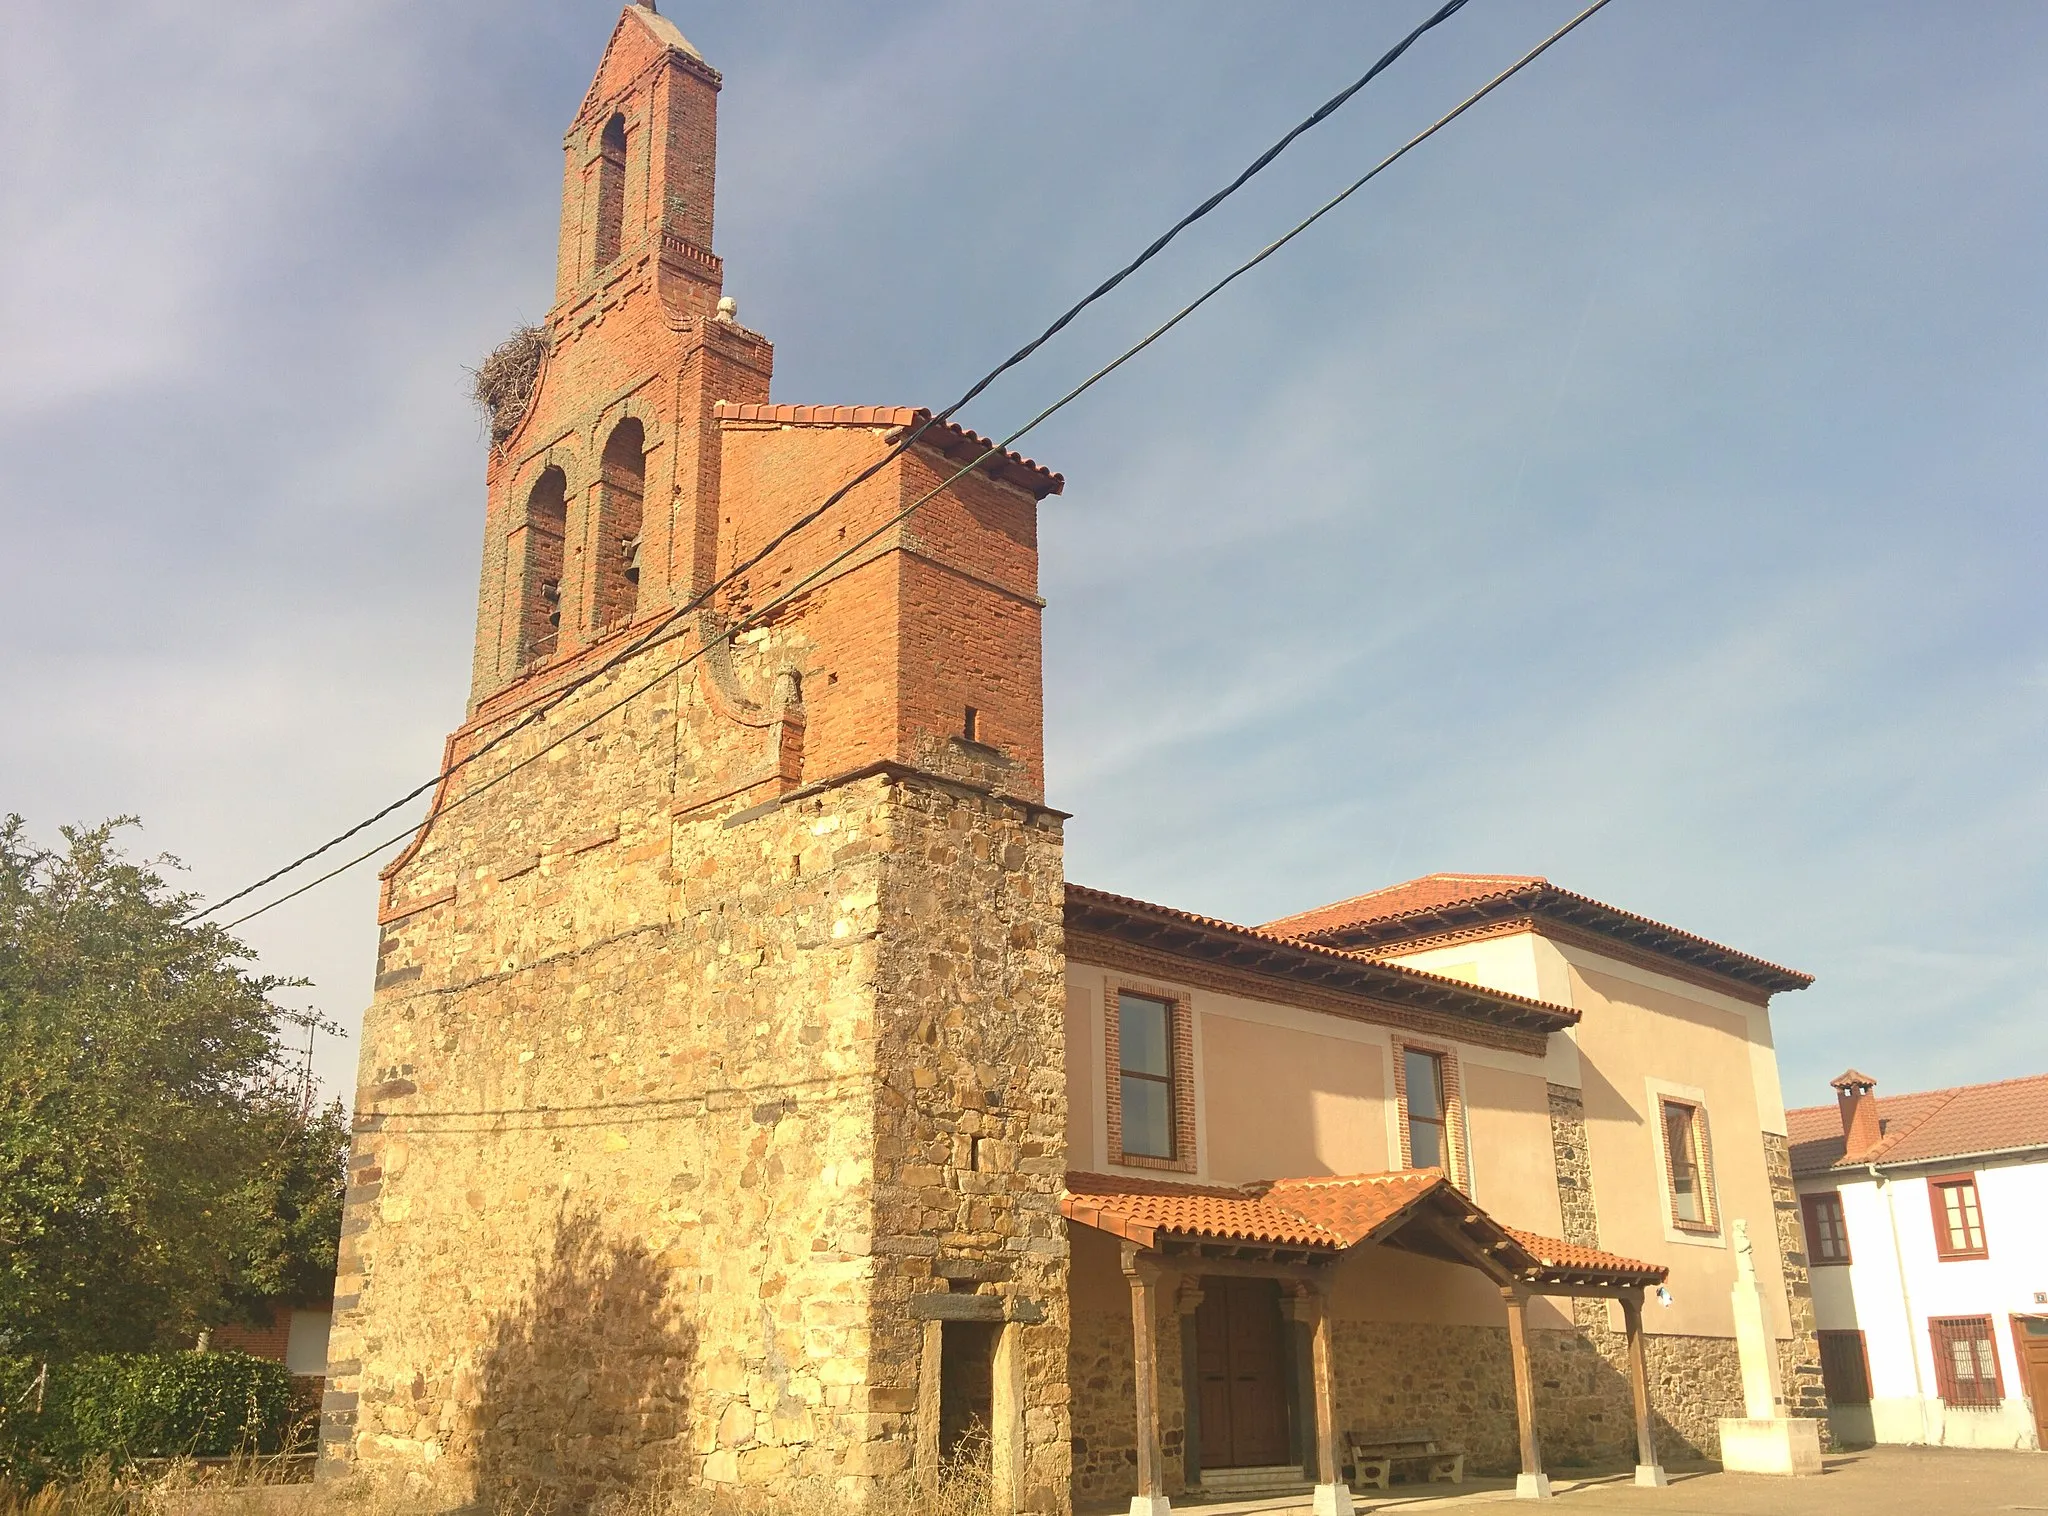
1532,1483
1143,1272
1648,1471
1332,1498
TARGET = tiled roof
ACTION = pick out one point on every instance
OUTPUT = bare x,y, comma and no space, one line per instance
1929,1125
1259,950
1382,921
1328,1215
1427,893
956,442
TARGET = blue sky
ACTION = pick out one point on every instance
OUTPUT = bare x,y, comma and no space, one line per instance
1641,485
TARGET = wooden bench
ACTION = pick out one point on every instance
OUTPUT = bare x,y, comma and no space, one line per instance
1374,1456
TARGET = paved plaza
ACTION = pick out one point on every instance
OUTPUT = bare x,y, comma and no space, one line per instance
1885,1481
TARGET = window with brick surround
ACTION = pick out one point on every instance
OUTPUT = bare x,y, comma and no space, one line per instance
1827,1231
1429,1107
1844,1368
1428,1123
1151,1077
1958,1217
611,191
1965,1360
1688,1165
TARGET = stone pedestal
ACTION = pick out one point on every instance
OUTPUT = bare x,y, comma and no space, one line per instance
1651,1476
1765,1441
1151,1505
1770,1445
1532,1487
1333,1500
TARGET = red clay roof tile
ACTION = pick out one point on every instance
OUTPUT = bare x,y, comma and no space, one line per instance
1382,919
1326,1214
1929,1126
1086,908
953,440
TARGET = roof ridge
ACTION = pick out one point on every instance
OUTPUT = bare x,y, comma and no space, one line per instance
1889,1140
1397,922
1948,1091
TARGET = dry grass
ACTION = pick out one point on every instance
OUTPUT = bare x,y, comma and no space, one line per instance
275,1486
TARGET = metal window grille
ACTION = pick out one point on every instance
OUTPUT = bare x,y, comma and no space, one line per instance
1965,1360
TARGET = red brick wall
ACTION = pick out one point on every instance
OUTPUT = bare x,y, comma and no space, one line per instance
939,615
267,1341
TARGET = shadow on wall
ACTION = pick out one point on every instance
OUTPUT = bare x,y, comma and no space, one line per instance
584,1387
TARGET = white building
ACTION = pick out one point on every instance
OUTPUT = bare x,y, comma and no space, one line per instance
1927,1230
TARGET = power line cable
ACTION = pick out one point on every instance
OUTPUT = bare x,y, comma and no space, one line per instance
903,444
994,449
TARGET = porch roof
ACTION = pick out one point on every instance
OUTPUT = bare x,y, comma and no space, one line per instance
1416,1210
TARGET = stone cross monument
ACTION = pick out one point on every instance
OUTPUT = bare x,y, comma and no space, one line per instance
1765,1441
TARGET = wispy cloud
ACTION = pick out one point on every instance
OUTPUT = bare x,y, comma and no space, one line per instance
1638,486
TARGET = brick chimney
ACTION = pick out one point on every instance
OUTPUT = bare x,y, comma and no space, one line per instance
1861,1130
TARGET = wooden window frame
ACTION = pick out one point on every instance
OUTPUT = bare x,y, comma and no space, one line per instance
1455,1168
1943,1249
1709,1224
1821,1339
1809,1210
1939,1343
1180,1037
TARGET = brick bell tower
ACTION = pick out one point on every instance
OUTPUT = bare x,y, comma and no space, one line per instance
711,1103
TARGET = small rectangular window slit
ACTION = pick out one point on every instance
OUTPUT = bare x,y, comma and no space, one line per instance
968,724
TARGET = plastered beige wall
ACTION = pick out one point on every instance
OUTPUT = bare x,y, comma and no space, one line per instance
1514,1172
1283,1091
1289,1103
1636,1028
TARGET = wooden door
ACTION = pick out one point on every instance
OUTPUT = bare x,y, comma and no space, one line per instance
2030,1347
1242,1369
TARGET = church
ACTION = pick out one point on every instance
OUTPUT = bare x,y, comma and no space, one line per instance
748,1096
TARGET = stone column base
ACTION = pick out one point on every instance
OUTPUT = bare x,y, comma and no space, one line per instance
1151,1505
1771,1445
1532,1487
1333,1500
1651,1476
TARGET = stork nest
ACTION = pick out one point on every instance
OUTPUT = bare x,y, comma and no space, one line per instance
505,380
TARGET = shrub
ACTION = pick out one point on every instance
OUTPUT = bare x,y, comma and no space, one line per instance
121,1407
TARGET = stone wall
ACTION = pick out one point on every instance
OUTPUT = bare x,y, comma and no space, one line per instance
1457,1381
1798,1358
667,1107
1105,1422
1574,1160
970,1121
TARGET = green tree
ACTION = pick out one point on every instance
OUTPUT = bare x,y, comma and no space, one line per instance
158,1171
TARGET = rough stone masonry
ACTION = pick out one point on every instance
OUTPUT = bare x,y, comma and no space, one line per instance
717,1025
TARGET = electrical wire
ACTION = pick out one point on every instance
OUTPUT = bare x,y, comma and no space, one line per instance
902,445
995,449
